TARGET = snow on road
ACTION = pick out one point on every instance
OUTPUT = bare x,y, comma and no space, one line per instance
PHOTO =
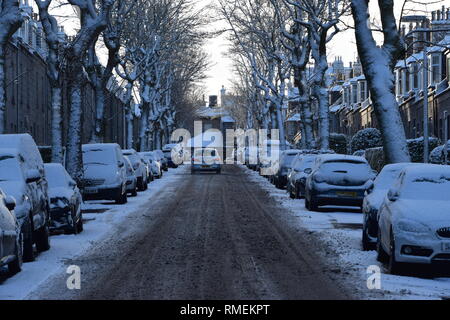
100,221
340,230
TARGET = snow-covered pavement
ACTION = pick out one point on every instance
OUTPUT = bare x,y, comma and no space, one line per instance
101,219
341,232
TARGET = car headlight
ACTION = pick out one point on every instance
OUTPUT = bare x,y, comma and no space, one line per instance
412,226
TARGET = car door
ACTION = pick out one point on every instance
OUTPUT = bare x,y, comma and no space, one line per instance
8,232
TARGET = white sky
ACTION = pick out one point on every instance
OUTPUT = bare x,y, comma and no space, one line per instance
343,45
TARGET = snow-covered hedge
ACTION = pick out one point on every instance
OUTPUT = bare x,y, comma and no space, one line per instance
339,143
437,155
415,147
366,139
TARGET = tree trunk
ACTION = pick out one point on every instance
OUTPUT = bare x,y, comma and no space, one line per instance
378,64
321,95
129,117
2,92
57,150
97,135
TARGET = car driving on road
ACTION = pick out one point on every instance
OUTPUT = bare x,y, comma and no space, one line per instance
206,159
65,200
337,180
414,219
11,244
105,176
297,176
373,199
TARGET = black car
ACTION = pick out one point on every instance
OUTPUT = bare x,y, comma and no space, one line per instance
279,179
297,176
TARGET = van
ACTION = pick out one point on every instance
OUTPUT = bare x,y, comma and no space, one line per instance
22,176
104,173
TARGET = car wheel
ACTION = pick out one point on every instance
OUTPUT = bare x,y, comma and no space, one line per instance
43,239
28,254
134,192
291,194
313,206
16,265
122,199
366,245
382,256
394,267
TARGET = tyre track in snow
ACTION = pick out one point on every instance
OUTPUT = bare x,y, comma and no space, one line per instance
214,237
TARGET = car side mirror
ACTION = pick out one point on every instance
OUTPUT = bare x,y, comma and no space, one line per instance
308,171
33,175
121,164
10,203
393,195
370,188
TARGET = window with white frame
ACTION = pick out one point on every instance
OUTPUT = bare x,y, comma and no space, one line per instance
354,93
362,90
399,81
414,76
435,68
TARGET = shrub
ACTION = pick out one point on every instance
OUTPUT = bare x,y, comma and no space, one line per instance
339,143
437,155
366,139
415,147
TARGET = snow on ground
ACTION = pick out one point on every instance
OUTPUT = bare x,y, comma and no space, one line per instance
340,230
100,219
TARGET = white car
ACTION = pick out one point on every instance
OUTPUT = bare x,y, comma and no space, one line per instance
11,244
206,159
374,198
131,178
154,162
105,176
140,168
414,219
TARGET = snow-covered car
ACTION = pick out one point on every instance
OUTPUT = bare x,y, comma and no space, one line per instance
131,178
251,157
104,176
11,245
206,159
155,164
374,198
337,180
22,176
169,151
140,168
297,176
414,219
65,200
285,165
162,159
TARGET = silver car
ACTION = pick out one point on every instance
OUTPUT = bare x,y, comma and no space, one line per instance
414,219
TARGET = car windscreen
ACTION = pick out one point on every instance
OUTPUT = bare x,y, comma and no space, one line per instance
386,178
99,156
10,169
426,188
287,159
55,177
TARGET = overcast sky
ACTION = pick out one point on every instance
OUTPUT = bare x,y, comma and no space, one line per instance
343,45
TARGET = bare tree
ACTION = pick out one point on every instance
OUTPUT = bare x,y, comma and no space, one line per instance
10,21
378,63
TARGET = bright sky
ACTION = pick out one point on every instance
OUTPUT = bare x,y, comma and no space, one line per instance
343,45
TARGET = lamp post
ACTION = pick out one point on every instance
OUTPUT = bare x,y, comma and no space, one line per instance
426,147
445,137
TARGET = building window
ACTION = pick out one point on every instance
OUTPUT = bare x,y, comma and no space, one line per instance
354,93
399,82
414,76
362,91
435,68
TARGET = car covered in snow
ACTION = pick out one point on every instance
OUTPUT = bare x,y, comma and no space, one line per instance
22,176
297,176
140,168
131,178
414,219
337,180
11,245
279,179
104,176
206,159
162,159
374,198
65,200
173,153
155,164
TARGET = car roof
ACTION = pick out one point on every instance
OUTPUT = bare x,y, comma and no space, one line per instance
427,171
338,157
9,152
99,146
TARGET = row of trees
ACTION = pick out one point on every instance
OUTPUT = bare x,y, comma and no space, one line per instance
275,41
152,47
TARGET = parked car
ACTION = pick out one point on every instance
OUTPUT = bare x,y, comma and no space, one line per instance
105,176
251,157
11,245
65,200
373,199
131,178
140,168
169,151
22,176
414,219
337,180
297,176
206,159
155,164
162,159
285,165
